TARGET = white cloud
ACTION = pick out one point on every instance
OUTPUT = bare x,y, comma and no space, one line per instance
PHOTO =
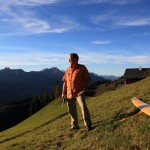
17,18
104,58
31,60
20,17
114,2
113,21
37,58
101,42
11,3
142,34
34,2
134,22
29,24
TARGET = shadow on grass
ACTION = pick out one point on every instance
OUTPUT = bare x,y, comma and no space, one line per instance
119,116
145,101
113,123
109,125
23,133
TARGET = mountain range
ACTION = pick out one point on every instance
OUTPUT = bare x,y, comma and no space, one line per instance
17,84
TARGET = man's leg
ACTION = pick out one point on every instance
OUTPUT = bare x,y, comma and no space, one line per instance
85,111
73,112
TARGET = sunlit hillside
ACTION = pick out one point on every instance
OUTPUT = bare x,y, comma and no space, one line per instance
49,128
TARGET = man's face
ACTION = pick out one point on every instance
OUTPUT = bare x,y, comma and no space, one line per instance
72,60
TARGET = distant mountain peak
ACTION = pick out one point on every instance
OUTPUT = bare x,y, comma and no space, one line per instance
54,68
51,70
45,70
6,69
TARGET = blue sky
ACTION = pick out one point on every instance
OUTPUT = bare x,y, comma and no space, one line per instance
108,35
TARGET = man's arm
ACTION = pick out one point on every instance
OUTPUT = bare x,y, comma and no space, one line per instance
64,90
87,78
87,83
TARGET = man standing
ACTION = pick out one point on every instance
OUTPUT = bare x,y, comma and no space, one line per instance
75,82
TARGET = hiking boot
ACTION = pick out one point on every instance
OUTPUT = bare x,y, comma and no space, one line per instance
74,128
89,128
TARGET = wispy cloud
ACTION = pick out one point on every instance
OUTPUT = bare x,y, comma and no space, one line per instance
113,21
31,59
142,34
16,3
114,2
134,22
101,42
21,17
143,48
34,2
106,58
38,58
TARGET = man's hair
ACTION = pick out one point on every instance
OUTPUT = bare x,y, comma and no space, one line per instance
74,55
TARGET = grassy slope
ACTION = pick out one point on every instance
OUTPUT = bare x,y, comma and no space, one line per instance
48,129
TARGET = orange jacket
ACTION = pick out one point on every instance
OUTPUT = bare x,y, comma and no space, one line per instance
76,79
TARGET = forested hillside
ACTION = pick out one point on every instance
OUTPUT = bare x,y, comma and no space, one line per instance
17,84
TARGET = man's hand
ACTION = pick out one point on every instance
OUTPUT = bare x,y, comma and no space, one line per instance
63,96
81,93
63,99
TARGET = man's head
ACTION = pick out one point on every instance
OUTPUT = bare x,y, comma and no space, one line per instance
73,58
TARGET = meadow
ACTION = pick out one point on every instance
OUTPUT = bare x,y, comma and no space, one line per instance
48,129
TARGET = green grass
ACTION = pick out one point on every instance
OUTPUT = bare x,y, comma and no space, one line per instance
49,128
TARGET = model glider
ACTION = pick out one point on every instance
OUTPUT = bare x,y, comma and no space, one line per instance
144,107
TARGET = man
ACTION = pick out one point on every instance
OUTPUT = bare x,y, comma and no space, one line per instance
75,82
